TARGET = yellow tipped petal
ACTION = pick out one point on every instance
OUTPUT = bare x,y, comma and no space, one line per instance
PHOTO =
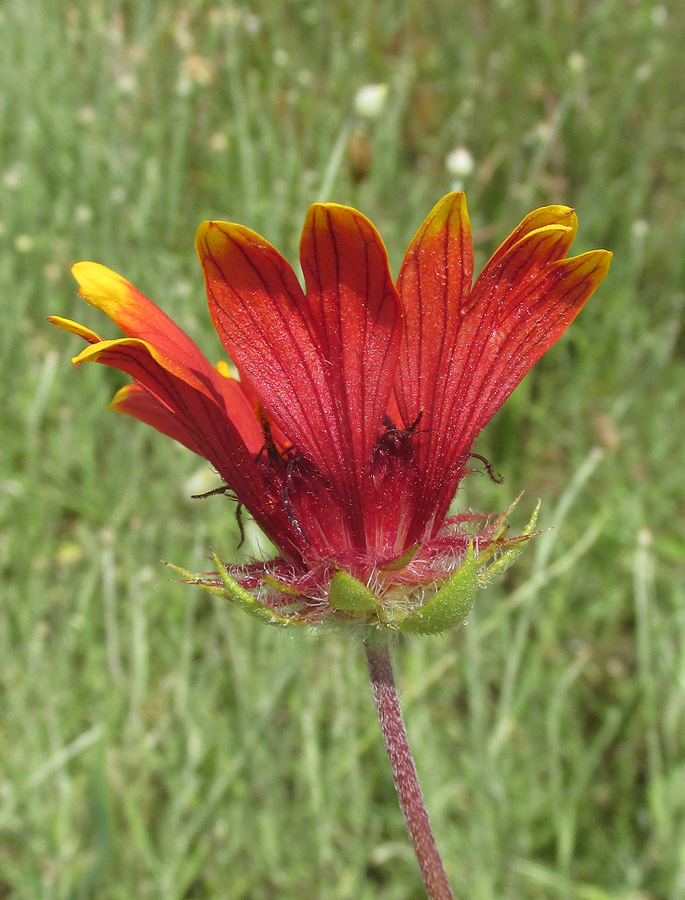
540,218
104,289
212,236
141,319
450,211
95,351
223,369
346,217
589,268
550,215
541,240
75,328
123,395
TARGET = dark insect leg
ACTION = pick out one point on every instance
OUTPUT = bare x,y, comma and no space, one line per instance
414,425
497,479
224,489
241,524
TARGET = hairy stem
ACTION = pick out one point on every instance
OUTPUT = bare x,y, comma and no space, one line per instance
404,771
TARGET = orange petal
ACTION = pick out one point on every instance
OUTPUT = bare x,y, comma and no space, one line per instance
585,272
140,318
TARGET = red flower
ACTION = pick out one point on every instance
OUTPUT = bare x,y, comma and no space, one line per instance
358,402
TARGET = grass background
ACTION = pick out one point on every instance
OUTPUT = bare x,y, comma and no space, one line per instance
156,744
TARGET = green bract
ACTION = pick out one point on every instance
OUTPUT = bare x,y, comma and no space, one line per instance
446,609
422,608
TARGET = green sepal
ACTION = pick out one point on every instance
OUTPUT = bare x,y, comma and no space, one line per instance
242,598
349,594
448,608
510,556
401,561
231,590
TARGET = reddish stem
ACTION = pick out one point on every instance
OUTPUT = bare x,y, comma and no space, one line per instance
404,772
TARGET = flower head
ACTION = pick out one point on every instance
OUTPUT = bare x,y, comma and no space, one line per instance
353,420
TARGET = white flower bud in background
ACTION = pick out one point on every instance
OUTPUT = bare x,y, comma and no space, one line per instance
545,132
14,176
23,243
640,227
369,100
83,214
576,62
126,83
459,162
659,16
218,141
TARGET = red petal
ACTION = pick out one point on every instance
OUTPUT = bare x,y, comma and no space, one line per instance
211,433
357,317
520,305
321,366
433,283
240,409
518,309
539,218
134,400
539,319
258,308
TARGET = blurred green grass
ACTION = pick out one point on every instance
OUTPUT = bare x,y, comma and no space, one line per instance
154,743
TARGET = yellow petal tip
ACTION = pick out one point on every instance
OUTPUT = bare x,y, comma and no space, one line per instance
75,328
102,288
212,236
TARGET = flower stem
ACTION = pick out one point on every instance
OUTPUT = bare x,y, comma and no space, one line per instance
404,771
